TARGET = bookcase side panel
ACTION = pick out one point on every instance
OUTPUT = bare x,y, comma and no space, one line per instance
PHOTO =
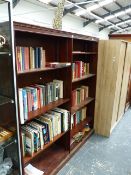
121,57
106,87
126,73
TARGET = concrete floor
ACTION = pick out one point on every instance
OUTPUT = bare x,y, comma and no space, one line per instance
104,156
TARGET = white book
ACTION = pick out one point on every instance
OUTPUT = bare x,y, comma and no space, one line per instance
58,117
21,108
31,170
61,87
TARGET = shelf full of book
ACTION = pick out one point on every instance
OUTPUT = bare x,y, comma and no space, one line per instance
44,92
53,100
84,69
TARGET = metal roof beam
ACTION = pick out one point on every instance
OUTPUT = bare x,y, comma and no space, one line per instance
118,23
108,14
123,29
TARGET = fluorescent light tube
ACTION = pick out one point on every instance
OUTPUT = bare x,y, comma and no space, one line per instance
45,1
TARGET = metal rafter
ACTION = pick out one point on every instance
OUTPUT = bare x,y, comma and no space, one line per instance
69,10
108,14
77,6
124,28
15,2
115,24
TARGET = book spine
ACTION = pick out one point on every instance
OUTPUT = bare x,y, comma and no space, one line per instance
21,107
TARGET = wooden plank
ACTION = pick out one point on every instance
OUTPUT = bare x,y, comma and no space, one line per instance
81,105
107,76
121,60
28,159
126,73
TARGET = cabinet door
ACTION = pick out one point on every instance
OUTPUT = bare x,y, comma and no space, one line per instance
124,87
110,63
9,132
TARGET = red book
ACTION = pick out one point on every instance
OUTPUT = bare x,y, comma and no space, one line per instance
26,56
18,58
74,117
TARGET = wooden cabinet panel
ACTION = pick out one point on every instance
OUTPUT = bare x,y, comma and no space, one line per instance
111,56
118,83
126,73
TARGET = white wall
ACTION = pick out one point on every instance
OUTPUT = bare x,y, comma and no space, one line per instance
30,11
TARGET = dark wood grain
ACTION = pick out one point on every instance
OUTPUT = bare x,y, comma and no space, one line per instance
81,105
44,109
28,159
83,53
83,78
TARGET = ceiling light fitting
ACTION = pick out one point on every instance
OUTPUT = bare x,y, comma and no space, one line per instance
45,1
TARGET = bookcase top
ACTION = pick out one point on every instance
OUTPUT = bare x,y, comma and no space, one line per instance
23,27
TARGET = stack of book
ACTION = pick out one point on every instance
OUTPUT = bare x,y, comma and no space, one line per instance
79,95
57,64
29,58
78,117
4,134
79,69
42,130
34,97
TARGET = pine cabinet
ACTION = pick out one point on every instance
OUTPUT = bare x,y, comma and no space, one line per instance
112,83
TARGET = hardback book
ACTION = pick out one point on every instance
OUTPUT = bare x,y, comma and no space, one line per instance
61,87
4,134
36,136
29,137
39,128
49,122
57,64
57,116
26,58
18,62
23,143
21,107
43,58
32,58
45,130
65,117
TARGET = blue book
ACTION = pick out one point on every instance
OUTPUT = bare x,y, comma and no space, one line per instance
23,58
25,105
45,130
36,57
39,57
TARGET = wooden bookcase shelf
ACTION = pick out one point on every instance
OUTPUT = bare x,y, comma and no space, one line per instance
83,78
39,70
4,53
52,160
80,126
83,53
81,105
44,109
84,58
75,146
58,46
4,100
28,159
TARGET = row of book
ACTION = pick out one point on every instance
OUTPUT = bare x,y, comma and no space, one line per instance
79,69
30,58
78,117
40,131
36,96
79,95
